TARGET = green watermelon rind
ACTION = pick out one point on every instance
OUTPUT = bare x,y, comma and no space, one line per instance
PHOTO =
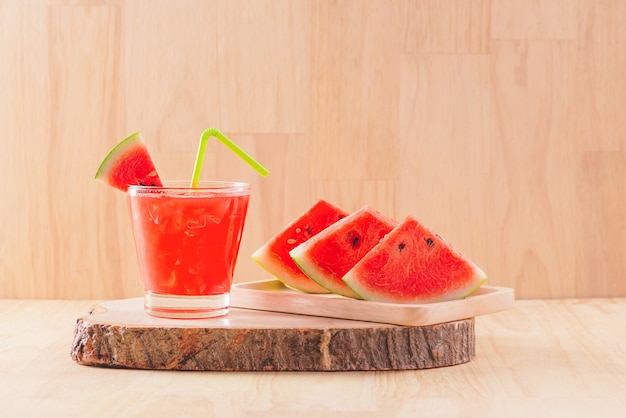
120,149
306,263
476,281
119,169
264,259
373,297
298,256
269,255
479,285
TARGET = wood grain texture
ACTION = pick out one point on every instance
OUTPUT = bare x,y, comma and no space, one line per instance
540,357
498,123
120,334
273,296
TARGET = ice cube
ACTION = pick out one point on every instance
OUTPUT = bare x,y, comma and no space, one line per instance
196,223
154,212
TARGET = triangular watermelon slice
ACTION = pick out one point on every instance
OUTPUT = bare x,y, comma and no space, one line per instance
274,257
129,162
329,255
414,265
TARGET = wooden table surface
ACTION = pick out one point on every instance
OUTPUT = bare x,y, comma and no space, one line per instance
552,358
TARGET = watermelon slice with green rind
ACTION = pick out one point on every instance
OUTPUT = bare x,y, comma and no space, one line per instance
414,265
129,163
326,257
274,257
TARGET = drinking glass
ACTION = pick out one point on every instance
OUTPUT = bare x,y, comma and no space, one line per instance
187,241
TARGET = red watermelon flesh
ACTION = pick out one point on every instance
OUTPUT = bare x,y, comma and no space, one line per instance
274,257
329,255
129,162
414,265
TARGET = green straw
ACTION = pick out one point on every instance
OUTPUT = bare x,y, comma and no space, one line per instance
231,145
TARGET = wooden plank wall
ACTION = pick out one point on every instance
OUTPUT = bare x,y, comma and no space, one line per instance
498,123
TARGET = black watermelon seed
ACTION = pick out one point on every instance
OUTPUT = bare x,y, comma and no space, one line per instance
401,246
430,242
355,241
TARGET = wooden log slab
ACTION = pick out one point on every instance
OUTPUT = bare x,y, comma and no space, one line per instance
120,334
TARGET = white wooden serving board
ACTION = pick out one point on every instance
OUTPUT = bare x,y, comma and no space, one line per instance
272,295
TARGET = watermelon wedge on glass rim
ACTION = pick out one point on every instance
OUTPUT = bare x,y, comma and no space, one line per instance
414,265
129,162
274,257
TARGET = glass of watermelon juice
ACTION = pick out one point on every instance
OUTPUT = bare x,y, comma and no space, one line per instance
187,241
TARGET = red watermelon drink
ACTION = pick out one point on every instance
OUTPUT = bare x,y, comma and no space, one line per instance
187,241
187,235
